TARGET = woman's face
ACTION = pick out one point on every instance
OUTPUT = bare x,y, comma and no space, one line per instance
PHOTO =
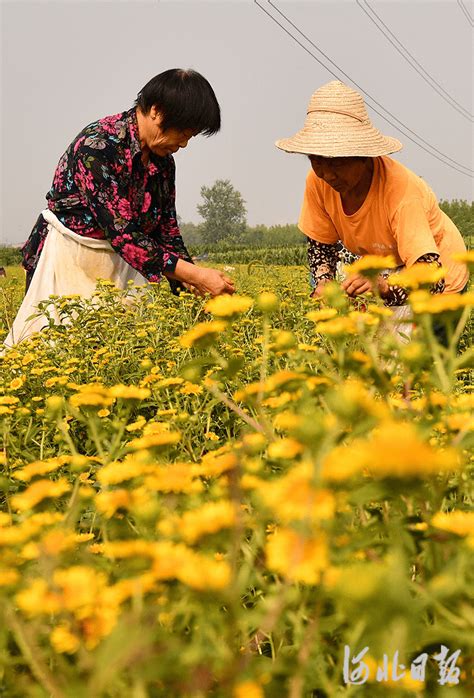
342,174
160,142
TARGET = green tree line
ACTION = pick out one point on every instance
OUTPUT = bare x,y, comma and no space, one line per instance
224,228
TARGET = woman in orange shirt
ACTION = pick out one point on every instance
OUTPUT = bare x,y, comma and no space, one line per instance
357,195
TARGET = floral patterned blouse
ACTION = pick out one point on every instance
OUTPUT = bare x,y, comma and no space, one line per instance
102,189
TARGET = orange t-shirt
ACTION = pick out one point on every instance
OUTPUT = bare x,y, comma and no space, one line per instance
400,216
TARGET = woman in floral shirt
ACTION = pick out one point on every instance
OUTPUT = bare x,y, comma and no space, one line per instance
116,182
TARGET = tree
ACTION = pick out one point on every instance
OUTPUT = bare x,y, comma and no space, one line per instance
223,210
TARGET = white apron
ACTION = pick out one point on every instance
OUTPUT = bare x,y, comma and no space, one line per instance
68,264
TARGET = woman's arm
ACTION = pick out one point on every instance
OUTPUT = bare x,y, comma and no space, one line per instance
396,295
322,260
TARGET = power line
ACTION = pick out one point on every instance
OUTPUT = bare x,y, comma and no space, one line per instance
396,43
465,170
466,13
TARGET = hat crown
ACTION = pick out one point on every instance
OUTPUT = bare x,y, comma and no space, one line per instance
337,98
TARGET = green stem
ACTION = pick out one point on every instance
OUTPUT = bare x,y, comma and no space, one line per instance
32,655
438,361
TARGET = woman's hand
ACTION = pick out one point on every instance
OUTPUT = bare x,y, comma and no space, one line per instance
213,282
319,288
356,285
202,280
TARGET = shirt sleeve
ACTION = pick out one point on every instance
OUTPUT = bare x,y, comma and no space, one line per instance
106,197
399,296
314,220
412,232
322,260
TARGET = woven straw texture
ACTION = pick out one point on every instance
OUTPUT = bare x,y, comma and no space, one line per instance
337,125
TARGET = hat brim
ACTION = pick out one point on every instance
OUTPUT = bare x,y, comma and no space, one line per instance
362,141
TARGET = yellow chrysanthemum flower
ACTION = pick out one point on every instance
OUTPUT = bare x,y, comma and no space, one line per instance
63,640
226,306
459,522
129,392
423,302
39,490
417,276
40,468
295,557
321,315
285,449
209,518
202,334
248,689
371,265
395,449
160,440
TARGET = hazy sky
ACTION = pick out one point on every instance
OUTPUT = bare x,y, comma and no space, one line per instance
67,63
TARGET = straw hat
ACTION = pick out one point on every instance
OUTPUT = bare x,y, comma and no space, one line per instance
337,125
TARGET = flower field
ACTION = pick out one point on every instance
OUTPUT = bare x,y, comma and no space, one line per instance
256,496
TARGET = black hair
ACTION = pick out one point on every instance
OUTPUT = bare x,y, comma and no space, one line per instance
185,100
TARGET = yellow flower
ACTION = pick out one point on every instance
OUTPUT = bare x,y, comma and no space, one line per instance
394,450
36,599
253,443
267,302
321,315
292,497
208,518
362,318
463,421
16,383
202,334
217,462
297,558
52,543
371,265
279,400
191,389
63,640
8,400
177,477
248,689
337,328
227,306
464,257
170,382
91,399
79,585
211,436
103,413
423,302
418,275
136,426
8,577
40,468
116,472
379,310
39,490
459,522
108,503
283,340
129,392
285,448
155,441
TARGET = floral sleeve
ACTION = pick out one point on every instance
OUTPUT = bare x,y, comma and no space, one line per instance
322,258
107,200
399,296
